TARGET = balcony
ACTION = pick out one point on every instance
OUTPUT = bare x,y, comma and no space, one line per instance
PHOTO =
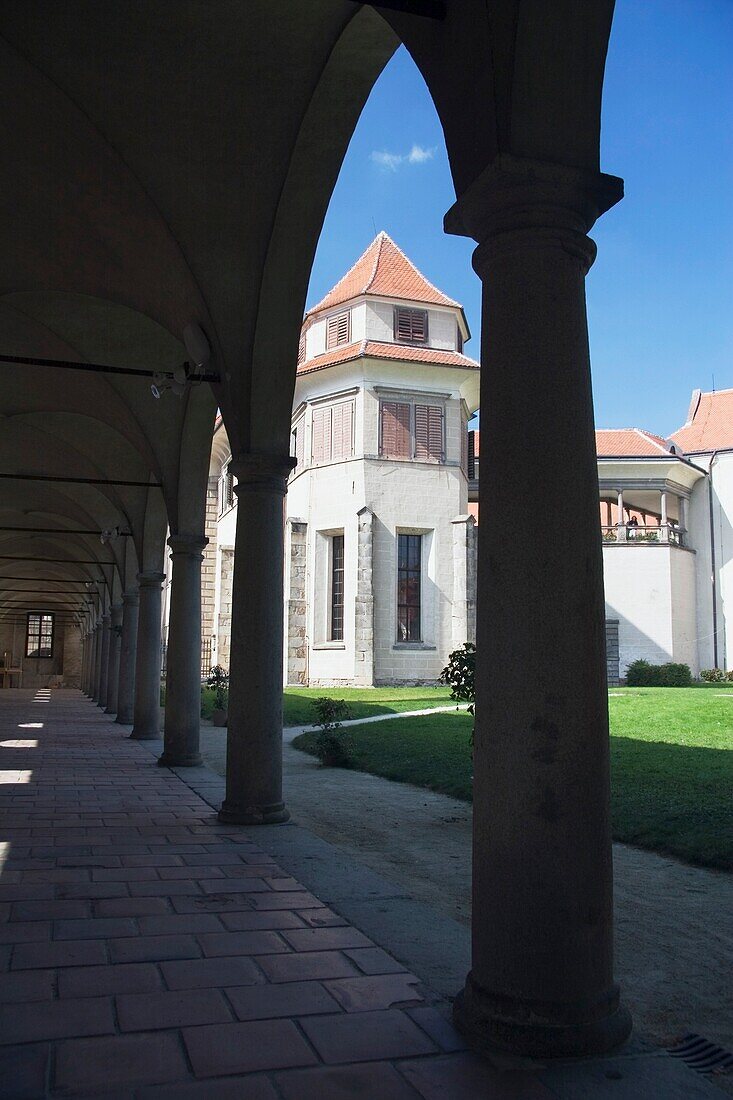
644,534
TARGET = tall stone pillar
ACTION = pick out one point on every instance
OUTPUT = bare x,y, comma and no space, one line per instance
254,735
85,664
296,643
113,664
97,681
464,580
541,982
183,680
146,725
128,656
104,661
364,603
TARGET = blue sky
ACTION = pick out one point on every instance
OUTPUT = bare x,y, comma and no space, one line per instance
660,295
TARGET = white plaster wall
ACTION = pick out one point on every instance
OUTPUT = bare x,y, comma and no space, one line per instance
315,337
442,324
699,526
650,589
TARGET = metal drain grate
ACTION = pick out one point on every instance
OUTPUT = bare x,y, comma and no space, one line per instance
702,1055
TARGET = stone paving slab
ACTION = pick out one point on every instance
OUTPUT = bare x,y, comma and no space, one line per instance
148,951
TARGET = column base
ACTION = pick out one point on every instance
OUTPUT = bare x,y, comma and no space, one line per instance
145,735
540,1030
235,814
124,719
108,710
170,760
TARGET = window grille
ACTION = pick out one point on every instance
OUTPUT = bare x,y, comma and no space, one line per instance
205,657
337,588
410,325
39,634
409,569
338,329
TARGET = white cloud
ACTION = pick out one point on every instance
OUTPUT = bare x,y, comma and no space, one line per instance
390,162
418,154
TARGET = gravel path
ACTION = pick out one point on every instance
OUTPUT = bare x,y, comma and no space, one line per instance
674,923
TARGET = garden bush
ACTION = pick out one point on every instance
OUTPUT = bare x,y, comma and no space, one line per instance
329,747
716,675
460,675
642,674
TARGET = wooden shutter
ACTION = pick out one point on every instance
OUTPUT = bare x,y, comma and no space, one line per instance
395,429
321,435
301,347
429,432
338,329
343,416
410,325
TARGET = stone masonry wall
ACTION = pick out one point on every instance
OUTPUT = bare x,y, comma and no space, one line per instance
297,646
224,626
364,608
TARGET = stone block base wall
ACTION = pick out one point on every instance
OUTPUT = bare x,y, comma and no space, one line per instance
296,548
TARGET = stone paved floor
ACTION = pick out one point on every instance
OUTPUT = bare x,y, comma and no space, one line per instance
148,951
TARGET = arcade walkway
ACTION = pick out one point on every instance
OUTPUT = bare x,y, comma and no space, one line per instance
148,951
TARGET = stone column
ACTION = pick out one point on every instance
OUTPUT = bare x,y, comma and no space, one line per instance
364,604
104,661
113,665
254,736
128,655
85,665
146,726
97,680
620,525
183,680
541,982
464,581
296,644
663,519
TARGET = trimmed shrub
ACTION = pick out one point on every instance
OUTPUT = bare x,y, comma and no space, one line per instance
642,674
716,676
329,747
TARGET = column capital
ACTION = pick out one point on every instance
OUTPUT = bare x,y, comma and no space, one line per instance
150,579
261,473
517,203
187,545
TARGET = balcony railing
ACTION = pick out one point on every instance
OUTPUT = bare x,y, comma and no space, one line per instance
639,534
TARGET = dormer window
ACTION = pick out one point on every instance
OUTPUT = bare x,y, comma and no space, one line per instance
338,329
410,325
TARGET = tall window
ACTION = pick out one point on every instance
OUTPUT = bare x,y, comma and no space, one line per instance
411,431
409,565
333,432
410,325
39,636
337,588
226,490
338,329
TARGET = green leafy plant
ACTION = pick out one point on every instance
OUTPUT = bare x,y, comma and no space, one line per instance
643,674
329,747
460,675
218,679
716,675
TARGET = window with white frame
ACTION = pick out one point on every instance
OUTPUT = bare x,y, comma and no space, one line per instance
412,429
410,325
333,432
226,490
338,329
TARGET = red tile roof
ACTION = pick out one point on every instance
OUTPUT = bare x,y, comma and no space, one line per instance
629,443
385,272
709,424
373,349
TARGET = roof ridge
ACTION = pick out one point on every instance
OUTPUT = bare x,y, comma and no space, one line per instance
344,277
417,271
381,237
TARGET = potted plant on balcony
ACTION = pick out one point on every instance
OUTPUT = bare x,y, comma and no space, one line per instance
218,679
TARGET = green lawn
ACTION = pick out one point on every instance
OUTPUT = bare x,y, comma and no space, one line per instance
363,702
671,766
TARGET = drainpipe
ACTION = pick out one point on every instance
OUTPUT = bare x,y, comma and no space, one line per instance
713,582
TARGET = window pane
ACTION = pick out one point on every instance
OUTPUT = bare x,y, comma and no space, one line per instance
39,635
409,566
337,588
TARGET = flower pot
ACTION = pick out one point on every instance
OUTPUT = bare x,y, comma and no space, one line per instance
219,717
